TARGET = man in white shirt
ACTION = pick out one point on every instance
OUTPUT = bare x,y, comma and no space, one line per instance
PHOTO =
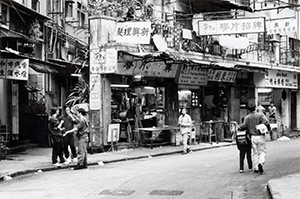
185,123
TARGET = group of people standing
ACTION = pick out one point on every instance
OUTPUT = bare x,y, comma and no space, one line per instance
63,130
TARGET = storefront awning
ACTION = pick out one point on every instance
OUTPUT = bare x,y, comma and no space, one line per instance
41,68
34,63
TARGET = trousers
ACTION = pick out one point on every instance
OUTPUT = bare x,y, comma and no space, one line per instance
184,142
82,150
69,141
259,150
245,150
57,149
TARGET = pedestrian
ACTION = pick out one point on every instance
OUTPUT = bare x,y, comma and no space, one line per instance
69,140
82,130
185,124
55,128
258,141
272,112
243,142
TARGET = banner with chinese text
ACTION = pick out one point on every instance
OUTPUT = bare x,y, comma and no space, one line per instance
133,32
193,76
232,26
281,79
16,69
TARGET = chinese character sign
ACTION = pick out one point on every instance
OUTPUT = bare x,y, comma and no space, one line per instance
221,75
193,76
283,26
16,69
133,32
278,79
234,26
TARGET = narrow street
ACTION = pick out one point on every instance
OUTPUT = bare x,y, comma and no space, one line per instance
207,174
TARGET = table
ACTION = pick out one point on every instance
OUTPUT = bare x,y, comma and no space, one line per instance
209,129
155,131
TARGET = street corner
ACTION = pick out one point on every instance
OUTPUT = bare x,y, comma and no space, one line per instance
285,187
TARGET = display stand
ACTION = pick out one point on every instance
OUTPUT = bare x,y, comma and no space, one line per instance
113,136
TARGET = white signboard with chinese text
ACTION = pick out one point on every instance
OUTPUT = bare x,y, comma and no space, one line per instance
16,69
104,61
282,26
233,26
133,32
97,59
221,75
111,61
193,76
95,92
281,79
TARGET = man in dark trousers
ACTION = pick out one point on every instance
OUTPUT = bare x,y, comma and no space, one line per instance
55,127
82,131
252,120
68,140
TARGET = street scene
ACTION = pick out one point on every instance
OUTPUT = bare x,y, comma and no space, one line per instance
207,173
201,96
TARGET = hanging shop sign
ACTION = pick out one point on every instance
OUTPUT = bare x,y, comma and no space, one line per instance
221,75
133,32
281,26
279,79
193,76
234,26
15,69
103,61
150,69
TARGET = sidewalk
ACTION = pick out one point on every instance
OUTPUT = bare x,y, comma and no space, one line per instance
39,159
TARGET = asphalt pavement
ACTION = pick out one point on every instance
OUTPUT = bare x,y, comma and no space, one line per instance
38,159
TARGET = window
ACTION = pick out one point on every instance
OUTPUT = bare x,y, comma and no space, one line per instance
80,15
3,14
69,9
36,5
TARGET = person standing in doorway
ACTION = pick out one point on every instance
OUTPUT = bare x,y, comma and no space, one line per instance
82,131
272,112
55,128
69,140
185,124
258,141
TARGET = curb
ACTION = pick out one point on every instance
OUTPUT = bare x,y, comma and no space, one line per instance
29,171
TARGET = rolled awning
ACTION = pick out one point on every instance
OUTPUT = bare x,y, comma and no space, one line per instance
41,68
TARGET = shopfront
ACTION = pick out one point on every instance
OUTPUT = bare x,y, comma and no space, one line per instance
214,97
278,89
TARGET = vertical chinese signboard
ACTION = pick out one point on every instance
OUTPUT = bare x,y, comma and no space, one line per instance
15,69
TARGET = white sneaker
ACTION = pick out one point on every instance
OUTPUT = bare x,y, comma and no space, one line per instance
57,164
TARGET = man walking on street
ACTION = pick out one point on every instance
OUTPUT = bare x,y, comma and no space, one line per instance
185,124
82,131
252,120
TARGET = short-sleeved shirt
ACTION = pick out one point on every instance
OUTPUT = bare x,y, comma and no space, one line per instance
82,127
252,120
185,122
53,124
